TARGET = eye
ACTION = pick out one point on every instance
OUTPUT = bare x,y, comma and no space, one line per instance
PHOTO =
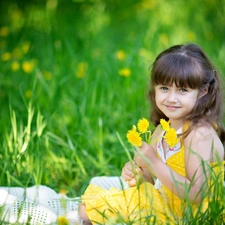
183,89
164,88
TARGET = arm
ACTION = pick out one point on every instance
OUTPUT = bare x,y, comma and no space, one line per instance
198,147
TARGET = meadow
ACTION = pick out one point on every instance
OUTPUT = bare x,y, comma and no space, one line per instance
74,77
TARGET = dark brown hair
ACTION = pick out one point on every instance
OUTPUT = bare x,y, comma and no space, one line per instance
188,66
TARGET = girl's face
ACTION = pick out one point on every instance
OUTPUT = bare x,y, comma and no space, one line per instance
175,102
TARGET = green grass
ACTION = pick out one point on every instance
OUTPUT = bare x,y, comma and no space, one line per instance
61,121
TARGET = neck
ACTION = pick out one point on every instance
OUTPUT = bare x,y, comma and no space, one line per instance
176,124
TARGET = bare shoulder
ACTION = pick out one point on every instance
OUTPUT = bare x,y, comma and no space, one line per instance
204,140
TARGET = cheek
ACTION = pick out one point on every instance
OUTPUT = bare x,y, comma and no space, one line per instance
158,100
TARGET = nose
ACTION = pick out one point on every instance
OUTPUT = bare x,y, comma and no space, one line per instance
172,97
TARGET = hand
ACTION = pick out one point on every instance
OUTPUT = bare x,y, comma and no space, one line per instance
144,155
132,173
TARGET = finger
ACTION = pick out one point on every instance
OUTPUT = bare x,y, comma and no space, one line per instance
139,170
126,174
125,177
132,182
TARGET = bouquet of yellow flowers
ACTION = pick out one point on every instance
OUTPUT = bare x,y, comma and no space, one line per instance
135,135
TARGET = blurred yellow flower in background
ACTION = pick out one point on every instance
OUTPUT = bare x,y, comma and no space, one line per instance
143,125
2,44
15,66
145,53
4,31
62,220
28,93
6,56
17,53
63,191
120,55
26,47
47,75
81,69
28,66
163,38
134,137
191,36
125,72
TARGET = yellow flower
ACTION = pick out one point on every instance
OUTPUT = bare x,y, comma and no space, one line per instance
26,47
134,137
165,125
191,36
6,56
47,75
163,38
62,220
120,55
15,66
4,31
63,191
143,125
27,66
124,72
17,53
81,69
28,93
171,137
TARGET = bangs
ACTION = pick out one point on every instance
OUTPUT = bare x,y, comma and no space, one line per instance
179,69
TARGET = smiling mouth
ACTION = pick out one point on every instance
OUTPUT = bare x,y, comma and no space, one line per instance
172,107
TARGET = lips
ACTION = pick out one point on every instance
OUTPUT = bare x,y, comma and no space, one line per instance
172,107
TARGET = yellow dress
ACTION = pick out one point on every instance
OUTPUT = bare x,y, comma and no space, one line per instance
147,204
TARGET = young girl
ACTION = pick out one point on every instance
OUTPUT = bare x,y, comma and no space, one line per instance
186,93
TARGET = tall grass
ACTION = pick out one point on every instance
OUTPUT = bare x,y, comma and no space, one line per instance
63,89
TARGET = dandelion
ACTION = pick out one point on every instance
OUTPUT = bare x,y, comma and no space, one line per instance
165,125
6,56
17,53
124,72
28,93
143,125
63,191
134,137
2,44
47,75
145,53
62,220
4,31
81,69
163,38
15,66
171,135
27,66
26,47
57,44
191,36
171,138
120,55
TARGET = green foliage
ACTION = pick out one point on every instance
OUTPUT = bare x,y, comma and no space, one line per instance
74,77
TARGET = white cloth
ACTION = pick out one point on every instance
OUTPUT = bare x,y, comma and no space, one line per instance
106,182
38,204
